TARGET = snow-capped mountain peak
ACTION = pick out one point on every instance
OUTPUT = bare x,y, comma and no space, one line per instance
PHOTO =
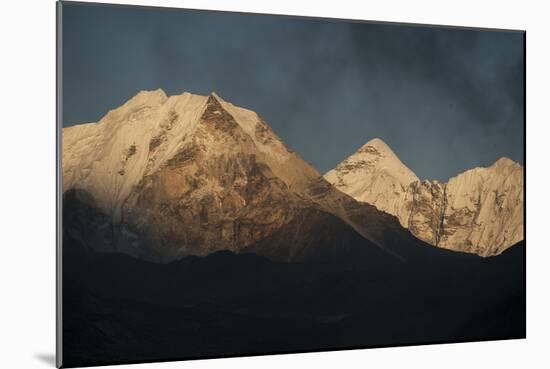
373,174
377,144
479,210
505,162
198,157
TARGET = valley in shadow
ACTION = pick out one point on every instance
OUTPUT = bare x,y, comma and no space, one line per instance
121,309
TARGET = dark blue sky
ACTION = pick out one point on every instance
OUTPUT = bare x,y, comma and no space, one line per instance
444,100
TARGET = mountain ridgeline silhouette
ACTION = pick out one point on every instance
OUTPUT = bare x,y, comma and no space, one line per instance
191,230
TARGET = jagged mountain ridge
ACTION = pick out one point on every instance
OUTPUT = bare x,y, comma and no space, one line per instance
165,177
479,211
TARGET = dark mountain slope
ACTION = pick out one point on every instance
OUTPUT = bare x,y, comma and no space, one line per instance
226,304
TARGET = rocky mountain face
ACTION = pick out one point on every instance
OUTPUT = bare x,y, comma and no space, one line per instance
163,177
479,211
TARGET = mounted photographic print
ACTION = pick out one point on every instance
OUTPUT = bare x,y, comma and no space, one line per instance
236,184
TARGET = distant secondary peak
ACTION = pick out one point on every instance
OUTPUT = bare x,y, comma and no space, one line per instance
504,162
376,142
375,146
